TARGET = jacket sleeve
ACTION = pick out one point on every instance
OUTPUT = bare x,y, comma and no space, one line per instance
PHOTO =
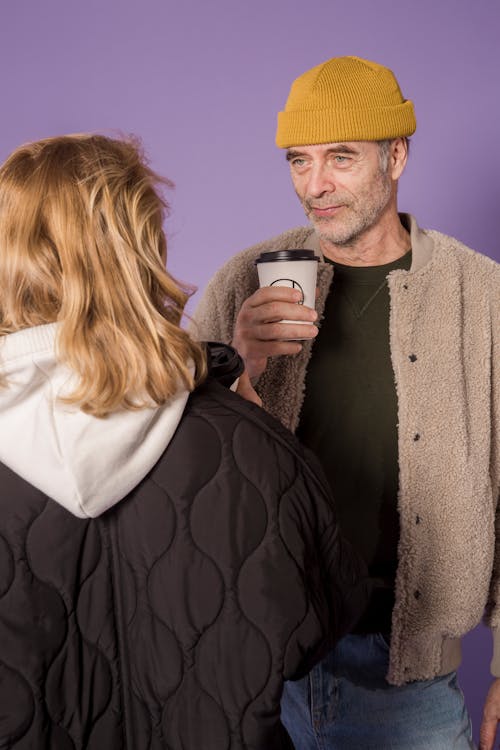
346,582
336,577
493,608
207,323
216,312
302,586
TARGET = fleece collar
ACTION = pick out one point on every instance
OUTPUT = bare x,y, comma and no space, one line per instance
421,244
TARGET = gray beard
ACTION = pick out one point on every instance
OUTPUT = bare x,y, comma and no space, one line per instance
373,204
346,236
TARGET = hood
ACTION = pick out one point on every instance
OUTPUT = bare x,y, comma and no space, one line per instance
86,464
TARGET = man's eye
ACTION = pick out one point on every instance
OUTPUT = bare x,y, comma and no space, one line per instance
298,162
340,159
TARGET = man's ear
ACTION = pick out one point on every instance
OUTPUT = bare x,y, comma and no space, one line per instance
398,157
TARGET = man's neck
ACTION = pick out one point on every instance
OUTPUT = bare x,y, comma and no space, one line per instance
387,241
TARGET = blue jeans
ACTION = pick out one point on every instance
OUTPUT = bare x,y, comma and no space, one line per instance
345,703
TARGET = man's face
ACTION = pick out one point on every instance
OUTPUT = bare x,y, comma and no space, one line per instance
343,187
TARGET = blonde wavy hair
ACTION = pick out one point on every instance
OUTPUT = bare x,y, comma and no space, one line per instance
82,243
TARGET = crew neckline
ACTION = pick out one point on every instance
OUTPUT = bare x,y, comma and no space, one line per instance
370,273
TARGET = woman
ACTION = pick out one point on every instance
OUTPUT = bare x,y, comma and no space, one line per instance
167,555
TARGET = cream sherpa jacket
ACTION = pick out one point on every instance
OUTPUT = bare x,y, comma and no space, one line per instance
445,348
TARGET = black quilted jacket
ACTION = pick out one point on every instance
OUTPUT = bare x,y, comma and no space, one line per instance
171,621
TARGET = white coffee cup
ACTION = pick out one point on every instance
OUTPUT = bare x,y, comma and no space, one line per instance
295,268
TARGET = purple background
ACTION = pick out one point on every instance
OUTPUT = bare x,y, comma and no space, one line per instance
200,82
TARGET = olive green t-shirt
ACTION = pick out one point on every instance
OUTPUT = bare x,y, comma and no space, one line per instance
349,419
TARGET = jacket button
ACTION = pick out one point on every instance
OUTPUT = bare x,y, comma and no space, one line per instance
412,357
417,519
416,594
405,286
416,437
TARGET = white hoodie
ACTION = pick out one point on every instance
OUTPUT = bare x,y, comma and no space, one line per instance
86,464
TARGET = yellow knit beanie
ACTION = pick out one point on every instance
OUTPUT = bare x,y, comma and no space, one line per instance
344,99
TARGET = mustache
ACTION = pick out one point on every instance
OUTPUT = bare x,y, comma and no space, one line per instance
310,203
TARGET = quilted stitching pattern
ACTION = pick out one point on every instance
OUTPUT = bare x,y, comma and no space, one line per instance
55,680
167,624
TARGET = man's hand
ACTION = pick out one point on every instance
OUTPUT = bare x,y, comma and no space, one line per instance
246,390
491,717
259,332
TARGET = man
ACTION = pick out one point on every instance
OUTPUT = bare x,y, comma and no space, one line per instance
400,398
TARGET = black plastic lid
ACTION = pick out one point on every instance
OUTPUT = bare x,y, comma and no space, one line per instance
291,254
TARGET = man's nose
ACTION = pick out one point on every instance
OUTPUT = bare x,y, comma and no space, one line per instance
320,181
